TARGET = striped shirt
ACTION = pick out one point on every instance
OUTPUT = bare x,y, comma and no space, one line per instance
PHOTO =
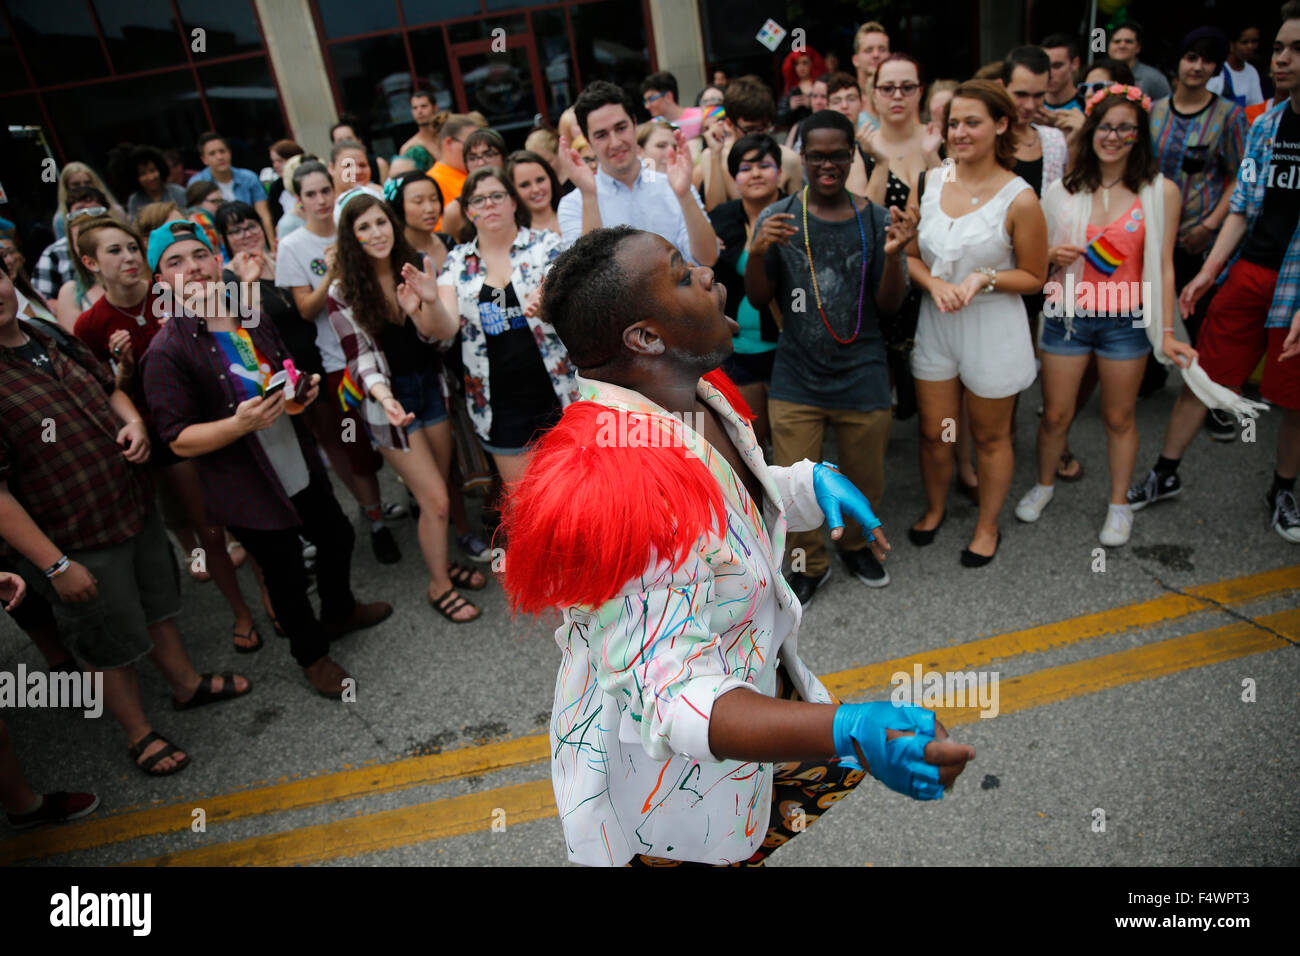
1200,152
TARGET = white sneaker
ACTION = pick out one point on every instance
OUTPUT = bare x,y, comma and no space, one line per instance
1035,500
1118,527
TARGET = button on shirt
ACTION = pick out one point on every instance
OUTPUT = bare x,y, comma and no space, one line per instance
650,204
59,450
188,382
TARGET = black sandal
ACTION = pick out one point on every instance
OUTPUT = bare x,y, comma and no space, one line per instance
206,695
449,610
170,750
463,577
249,648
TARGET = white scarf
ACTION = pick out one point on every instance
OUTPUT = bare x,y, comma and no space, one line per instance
1067,224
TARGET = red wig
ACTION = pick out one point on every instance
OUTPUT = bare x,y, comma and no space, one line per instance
596,508
791,58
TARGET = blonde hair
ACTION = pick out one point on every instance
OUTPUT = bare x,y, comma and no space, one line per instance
568,125
646,130
547,140
871,26
286,171
152,216
96,180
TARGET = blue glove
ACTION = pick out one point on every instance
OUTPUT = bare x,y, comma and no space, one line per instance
899,764
834,492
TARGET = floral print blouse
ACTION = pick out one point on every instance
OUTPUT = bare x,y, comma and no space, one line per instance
531,253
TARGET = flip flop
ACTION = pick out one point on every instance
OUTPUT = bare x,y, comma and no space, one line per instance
249,648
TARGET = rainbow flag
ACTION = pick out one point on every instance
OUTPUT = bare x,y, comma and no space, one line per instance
349,395
1103,256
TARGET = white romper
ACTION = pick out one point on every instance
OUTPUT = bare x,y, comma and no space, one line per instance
987,344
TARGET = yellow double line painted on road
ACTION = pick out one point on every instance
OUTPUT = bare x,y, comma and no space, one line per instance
472,761
439,819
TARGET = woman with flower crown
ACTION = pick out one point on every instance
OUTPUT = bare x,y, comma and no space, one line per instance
1112,224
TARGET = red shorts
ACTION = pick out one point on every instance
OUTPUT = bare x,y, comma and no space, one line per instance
1233,337
329,420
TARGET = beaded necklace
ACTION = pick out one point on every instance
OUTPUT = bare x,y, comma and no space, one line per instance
862,284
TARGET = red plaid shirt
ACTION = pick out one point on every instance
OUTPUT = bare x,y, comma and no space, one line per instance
59,450
187,382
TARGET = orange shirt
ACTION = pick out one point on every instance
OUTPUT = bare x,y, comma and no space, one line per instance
450,180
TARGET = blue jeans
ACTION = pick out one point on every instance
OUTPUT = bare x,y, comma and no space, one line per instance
1110,336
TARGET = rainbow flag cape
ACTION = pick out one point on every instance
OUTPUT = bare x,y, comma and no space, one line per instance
349,395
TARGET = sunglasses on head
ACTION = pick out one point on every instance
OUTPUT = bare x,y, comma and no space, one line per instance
87,211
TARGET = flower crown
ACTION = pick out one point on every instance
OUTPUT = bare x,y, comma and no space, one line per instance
1132,93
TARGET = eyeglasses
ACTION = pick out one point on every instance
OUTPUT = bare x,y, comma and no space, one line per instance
478,202
482,154
591,161
1086,90
665,121
840,157
766,166
898,89
1123,130
653,98
85,212
247,229
747,128
711,101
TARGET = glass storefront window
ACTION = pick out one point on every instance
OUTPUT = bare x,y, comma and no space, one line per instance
610,44
418,12
58,38
12,74
556,60
242,98
343,18
429,53
162,109
500,86
481,29
139,34
229,27
374,80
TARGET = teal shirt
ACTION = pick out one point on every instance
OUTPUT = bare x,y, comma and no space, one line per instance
750,340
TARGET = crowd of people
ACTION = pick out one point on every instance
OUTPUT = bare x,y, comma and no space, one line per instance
890,245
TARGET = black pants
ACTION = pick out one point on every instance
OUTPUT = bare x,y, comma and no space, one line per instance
280,555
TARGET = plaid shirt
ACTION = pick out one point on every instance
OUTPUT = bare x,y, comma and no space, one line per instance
188,383
53,268
368,366
1248,198
59,450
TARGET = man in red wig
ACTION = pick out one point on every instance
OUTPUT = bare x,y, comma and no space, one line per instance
649,519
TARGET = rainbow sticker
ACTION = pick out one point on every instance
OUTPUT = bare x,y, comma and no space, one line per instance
1103,256
349,395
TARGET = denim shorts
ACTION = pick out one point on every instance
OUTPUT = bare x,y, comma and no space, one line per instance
1110,336
421,393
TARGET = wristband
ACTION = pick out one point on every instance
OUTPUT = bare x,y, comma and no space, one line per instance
58,567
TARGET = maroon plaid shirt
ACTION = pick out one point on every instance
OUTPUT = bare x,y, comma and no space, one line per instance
186,382
59,450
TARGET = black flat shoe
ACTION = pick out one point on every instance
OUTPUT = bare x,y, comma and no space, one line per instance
922,538
969,559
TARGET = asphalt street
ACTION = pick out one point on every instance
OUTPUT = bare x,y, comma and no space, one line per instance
1121,691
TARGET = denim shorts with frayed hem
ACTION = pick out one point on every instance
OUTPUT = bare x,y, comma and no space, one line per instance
1110,336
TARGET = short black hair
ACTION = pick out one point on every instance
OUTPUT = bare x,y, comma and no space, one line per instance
1054,40
143,156
232,213
765,144
1290,10
1119,72
661,82
1208,43
598,94
86,194
1132,25
586,297
1032,58
827,119
348,120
